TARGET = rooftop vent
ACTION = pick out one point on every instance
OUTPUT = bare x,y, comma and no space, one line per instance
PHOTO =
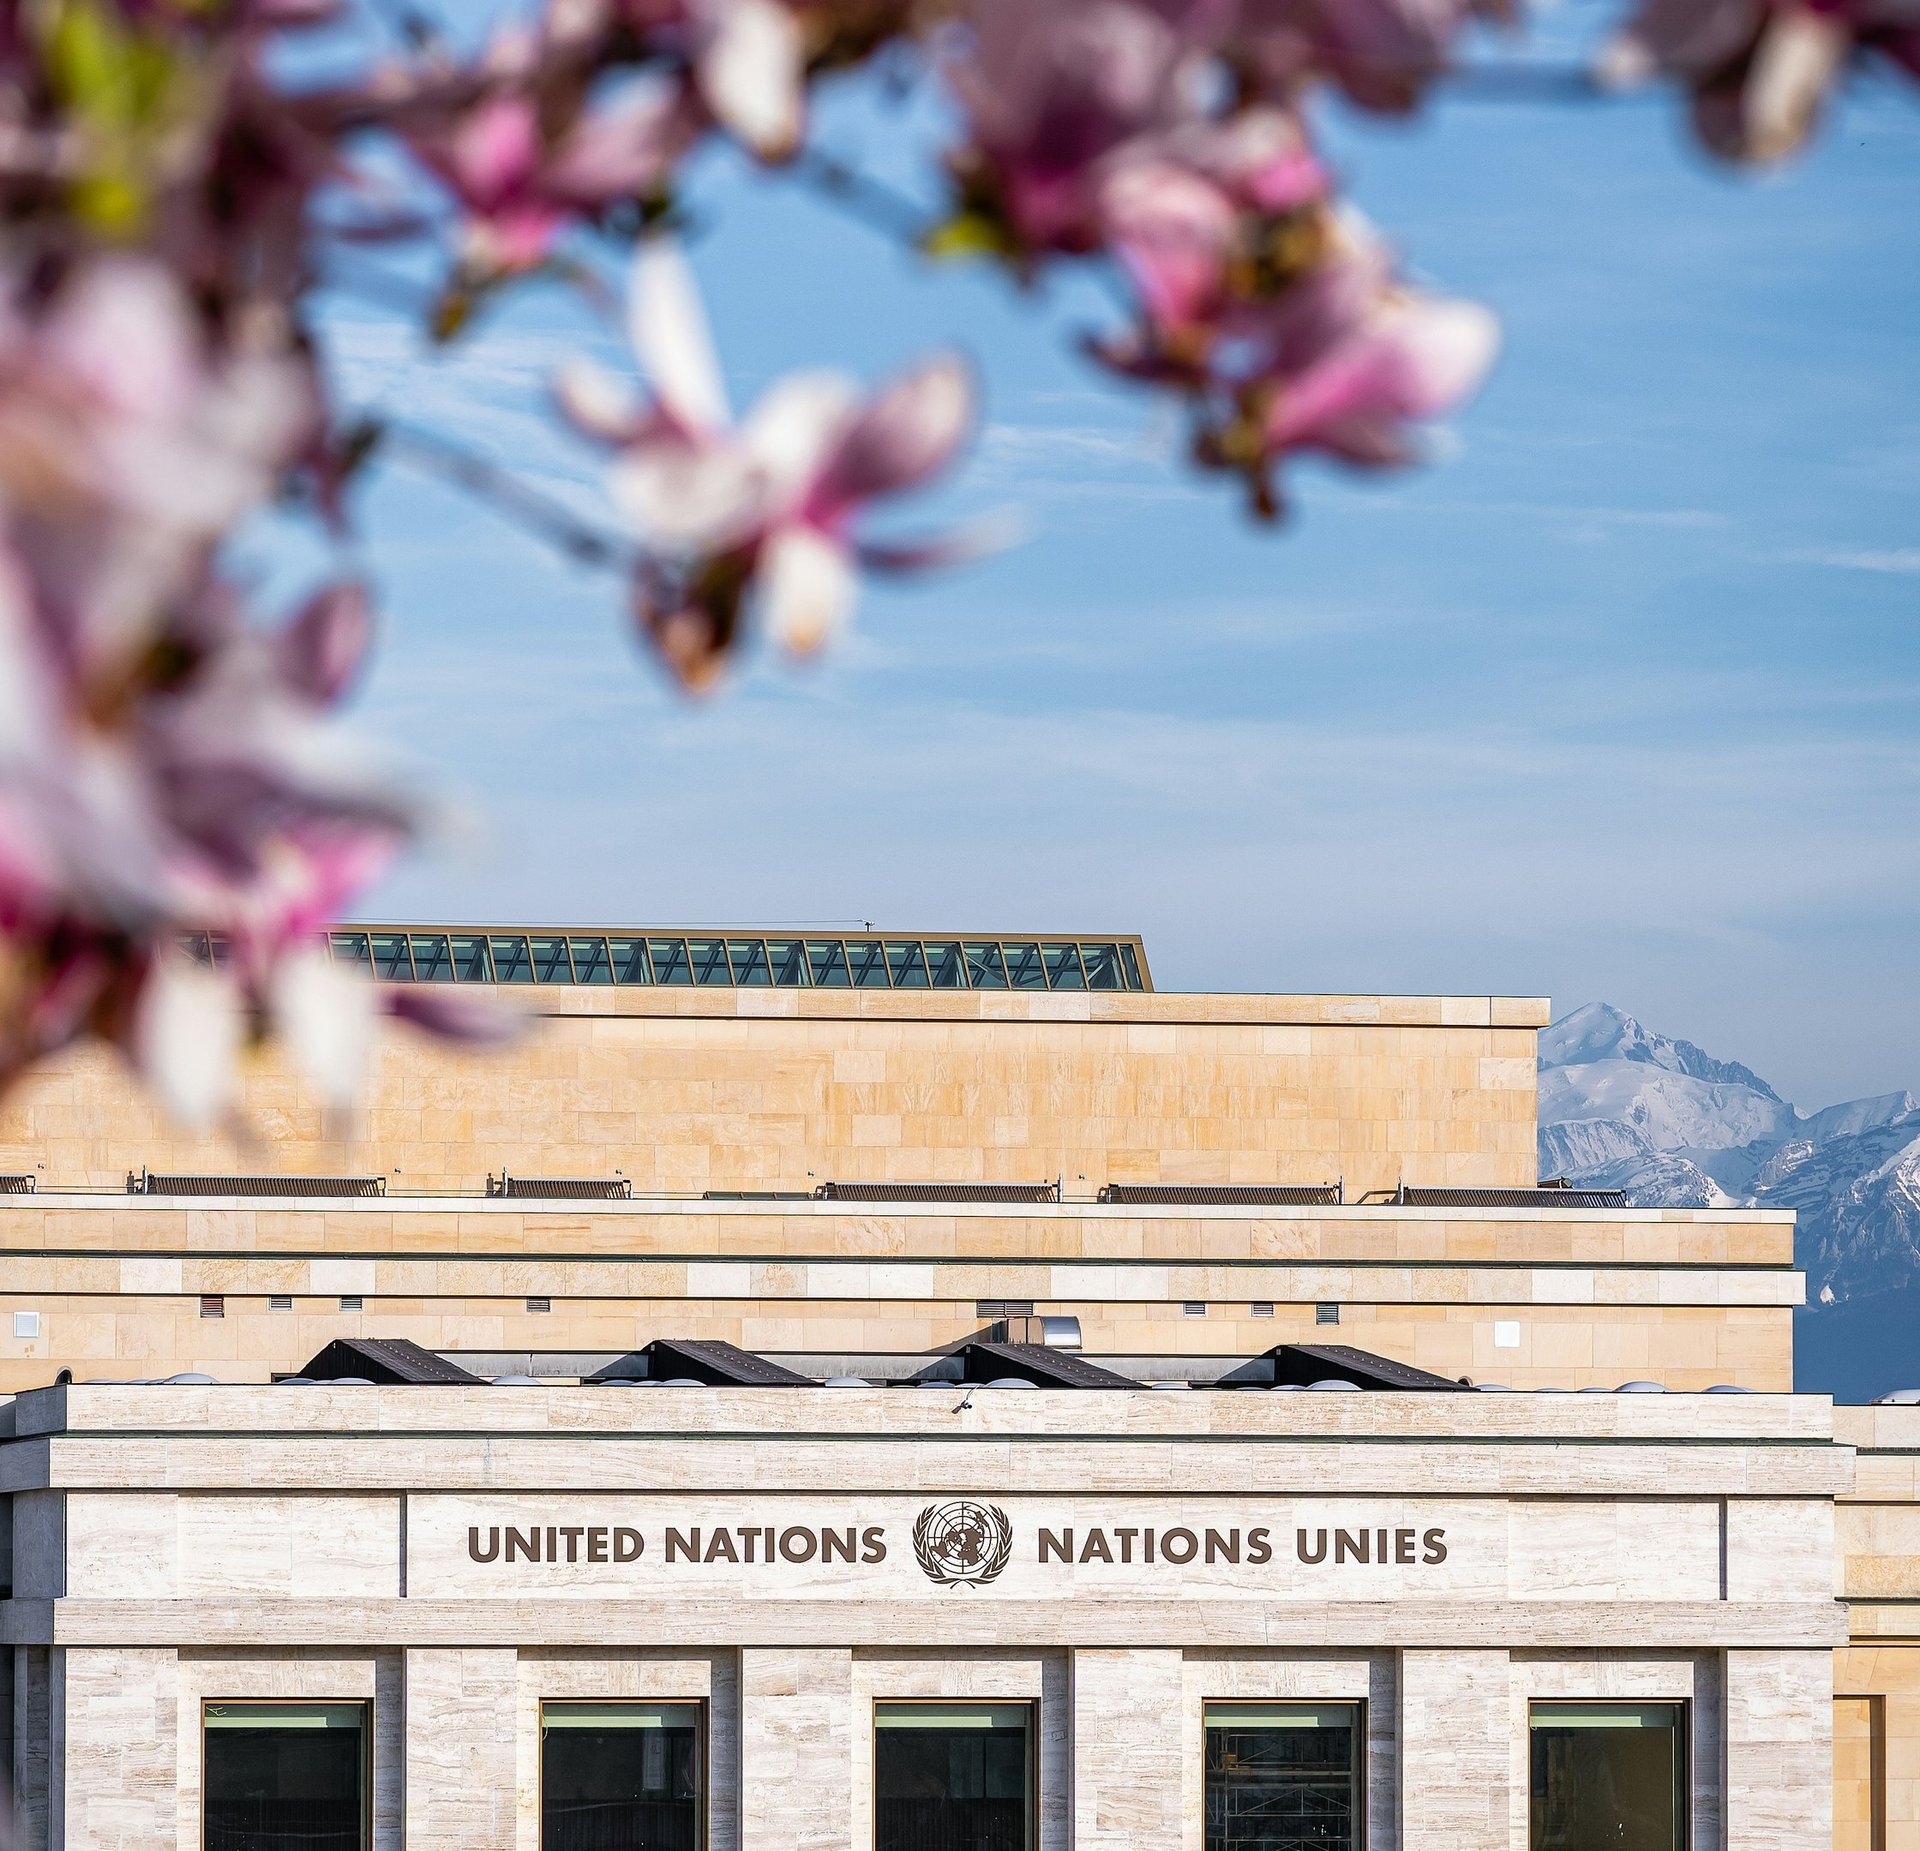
983,1360
1251,1195
1548,1195
389,1361
148,1182
699,1359
1305,1364
1050,1333
560,1188
938,1192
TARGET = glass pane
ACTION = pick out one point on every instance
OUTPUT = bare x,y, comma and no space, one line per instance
1282,1777
789,960
828,957
986,969
510,961
630,961
908,966
590,961
1133,967
620,1777
1607,1775
867,960
670,962
1063,968
470,961
550,963
946,966
285,1777
1103,966
709,957
390,959
348,948
951,1777
749,958
432,961
1024,969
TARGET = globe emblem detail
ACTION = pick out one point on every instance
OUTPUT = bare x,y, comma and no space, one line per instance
962,1542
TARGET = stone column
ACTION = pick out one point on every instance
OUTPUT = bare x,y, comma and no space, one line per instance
1127,1786
1456,1746
115,1786
1778,1784
461,1781
796,1756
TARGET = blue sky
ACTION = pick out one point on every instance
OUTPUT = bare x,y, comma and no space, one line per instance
1618,700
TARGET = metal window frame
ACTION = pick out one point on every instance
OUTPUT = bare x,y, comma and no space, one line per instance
1031,1705
367,1746
703,1735
1358,1773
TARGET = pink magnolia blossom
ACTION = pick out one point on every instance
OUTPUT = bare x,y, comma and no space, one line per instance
1760,71
761,514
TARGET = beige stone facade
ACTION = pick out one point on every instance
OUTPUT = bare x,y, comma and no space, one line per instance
1752,1559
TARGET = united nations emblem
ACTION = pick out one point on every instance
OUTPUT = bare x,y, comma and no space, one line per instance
962,1542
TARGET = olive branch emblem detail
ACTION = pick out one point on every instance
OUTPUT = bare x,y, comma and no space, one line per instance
962,1543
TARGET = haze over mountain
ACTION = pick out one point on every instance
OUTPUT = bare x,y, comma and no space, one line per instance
1622,1107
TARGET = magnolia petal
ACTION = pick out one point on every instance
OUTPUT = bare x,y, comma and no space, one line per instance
327,1015
186,1037
456,1014
688,497
1798,56
322,649
908,432
752,71
596,402
1449,346
807,590
793,429
979,539
669,332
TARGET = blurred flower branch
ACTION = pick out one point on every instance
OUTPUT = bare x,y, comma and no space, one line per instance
176,197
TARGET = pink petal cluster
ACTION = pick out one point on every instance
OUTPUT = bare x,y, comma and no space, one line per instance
755,519
1760,72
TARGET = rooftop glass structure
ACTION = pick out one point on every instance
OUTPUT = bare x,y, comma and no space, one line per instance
729,960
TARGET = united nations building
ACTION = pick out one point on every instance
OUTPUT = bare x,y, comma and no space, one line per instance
891,1393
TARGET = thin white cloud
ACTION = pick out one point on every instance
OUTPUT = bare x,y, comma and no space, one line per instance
1898,559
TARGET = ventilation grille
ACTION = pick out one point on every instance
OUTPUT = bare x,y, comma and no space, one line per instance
1249,1195
1551,1196
938,1192
561,1188
18,1185
148,1182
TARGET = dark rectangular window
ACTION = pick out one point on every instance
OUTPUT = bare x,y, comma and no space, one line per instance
1283,1776
908,964
946,966
590,962
986,969
750,967
285,1777
630,961
432,958
352,948
670,964
390,959
470,961
620,1777
789,959
710,962
828,958
953,1776
510,961
1610,1775
550,962
1063,968
867,959
1103,967
1024,969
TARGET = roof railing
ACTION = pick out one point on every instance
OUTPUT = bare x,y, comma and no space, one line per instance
560,1188
152,1182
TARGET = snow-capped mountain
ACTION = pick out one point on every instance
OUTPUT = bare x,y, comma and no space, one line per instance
1623,1108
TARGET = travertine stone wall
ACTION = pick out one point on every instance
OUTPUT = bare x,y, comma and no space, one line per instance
461,1788
1456,1727
796,1749
1128,1790
115,1777
695,1090
1779,1750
